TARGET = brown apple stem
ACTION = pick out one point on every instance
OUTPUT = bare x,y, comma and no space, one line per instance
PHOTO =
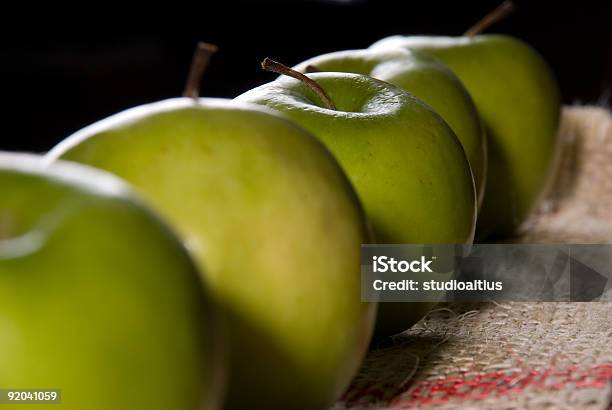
276,67
199,62
312,69
493,17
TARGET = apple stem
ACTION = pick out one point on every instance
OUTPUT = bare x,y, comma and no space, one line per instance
199,62
276,67
313,69
500,12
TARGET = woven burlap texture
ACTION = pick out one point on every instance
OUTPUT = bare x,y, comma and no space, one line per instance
532,355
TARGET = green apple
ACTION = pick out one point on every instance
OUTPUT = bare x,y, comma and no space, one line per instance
518,99
406,164
97,296
430,81
275,225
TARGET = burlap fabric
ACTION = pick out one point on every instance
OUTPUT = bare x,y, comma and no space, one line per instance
515,355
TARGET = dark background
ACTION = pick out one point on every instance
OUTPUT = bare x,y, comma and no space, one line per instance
65,68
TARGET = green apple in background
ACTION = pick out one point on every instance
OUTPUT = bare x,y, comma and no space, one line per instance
430,81
406,164
518,99
275,226
97,296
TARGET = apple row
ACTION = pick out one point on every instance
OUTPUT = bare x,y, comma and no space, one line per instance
227,274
